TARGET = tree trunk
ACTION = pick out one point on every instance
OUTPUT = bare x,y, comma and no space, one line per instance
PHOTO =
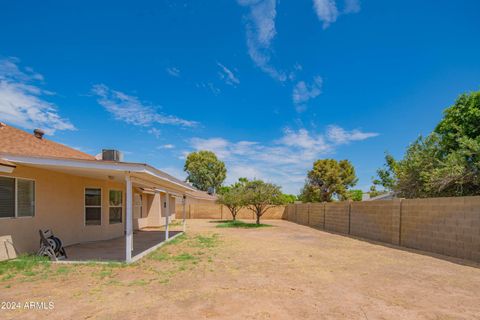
234,216
258,219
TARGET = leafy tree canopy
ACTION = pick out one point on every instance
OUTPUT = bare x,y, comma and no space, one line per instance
233,198
288,198
327,180
205,170
355,195
445,163
259,196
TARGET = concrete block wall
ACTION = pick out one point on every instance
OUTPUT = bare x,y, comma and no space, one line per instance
376,220
337,216
448,226
217,211
206,211
291,214
317,215
302,213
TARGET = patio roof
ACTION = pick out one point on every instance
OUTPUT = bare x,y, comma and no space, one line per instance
101,169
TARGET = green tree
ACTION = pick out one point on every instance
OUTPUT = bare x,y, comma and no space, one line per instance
232,198
446,162
205,170
373,192
288,198
355,195
387,177
327,180
461,122
259,197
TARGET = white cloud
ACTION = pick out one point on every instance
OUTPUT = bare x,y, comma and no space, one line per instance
328,12
155,132
209,86
173,71
303,92
351,6
166,146
237,171
219,146
22,100
284,161
131,110
227,75
175,172
260,32
303,139
339,135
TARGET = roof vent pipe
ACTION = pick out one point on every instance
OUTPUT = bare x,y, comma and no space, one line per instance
38,133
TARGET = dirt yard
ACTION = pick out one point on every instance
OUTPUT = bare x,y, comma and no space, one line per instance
286,271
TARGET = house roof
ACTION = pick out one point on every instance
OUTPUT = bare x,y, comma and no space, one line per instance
20,147
198,194
19,142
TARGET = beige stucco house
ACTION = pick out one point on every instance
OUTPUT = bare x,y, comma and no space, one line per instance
47,185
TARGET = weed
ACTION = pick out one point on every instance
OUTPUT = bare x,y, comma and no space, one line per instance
177,240
104,273
159,255
139,282
184,257
206,241
113,282
29,273
63,270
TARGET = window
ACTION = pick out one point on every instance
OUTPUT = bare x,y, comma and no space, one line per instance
93,206
7,197
25,198
115,209
17,197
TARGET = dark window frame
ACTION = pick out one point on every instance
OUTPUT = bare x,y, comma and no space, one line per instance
92,206
15,197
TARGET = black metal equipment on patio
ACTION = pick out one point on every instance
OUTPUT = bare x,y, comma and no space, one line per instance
51,246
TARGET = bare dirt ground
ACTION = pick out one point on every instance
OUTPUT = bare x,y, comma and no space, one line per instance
286,271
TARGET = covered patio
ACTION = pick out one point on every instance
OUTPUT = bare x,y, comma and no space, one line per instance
114,249
102,227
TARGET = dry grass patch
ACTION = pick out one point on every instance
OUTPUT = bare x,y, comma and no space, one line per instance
182,253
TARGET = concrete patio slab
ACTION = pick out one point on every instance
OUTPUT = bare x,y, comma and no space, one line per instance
114,249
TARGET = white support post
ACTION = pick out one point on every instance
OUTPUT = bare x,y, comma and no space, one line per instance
184,200
128,220
167,216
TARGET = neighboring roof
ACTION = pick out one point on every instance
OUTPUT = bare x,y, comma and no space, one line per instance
198,194
19,142
386,196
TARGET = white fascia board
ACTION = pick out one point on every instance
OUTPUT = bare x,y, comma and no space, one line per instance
157,173
172,193
6,169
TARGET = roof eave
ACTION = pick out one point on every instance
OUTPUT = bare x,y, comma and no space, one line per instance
95,164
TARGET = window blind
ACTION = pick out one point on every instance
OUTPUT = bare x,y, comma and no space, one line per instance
7,197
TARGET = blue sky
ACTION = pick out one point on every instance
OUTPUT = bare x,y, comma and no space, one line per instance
268,85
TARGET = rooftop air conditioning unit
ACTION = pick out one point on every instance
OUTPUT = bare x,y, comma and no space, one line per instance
112,155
